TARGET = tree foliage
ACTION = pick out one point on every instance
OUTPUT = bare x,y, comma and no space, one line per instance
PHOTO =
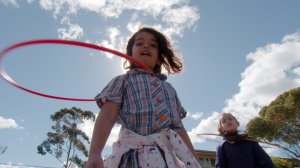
282,163
280,122
67,140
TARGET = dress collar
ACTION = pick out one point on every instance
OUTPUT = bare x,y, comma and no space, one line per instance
143,71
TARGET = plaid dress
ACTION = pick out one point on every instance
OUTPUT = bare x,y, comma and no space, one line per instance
147,104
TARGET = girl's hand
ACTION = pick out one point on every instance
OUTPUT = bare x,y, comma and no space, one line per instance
94,162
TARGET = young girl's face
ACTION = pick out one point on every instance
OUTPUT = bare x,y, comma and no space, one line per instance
229,124
145,49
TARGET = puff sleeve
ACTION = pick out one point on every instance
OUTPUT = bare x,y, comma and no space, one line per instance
113,91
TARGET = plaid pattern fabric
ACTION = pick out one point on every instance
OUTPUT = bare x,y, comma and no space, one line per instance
147,102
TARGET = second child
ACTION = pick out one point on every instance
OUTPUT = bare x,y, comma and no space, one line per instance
239,151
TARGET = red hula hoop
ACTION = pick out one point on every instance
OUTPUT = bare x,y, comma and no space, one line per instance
8,79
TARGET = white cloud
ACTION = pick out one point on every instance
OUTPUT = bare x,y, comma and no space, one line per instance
108,8
267,76
134,25
208,125
263,80
173,16
177,16
114,134
30,1
88,127
115,42
46,4
195,116
10,2
15,165
73,31
7,123
92,5
295,37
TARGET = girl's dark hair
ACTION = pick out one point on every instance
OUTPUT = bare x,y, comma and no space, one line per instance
166,54
220,129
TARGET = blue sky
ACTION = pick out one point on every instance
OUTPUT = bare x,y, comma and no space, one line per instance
238,57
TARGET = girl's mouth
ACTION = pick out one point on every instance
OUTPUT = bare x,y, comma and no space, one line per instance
145,54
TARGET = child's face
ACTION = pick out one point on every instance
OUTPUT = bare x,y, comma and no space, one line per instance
229,124
145,49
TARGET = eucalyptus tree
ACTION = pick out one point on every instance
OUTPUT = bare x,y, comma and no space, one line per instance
67,142
279,123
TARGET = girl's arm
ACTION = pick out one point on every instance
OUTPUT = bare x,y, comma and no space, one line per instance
220,158
102,128
185,137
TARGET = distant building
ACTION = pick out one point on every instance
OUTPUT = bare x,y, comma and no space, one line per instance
207,158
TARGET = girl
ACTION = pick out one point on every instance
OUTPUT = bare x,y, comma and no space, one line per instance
148,109
239,151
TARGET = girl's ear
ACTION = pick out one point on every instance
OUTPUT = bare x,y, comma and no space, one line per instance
238,123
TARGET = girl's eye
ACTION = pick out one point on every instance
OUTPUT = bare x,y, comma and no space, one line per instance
153,45
138,43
